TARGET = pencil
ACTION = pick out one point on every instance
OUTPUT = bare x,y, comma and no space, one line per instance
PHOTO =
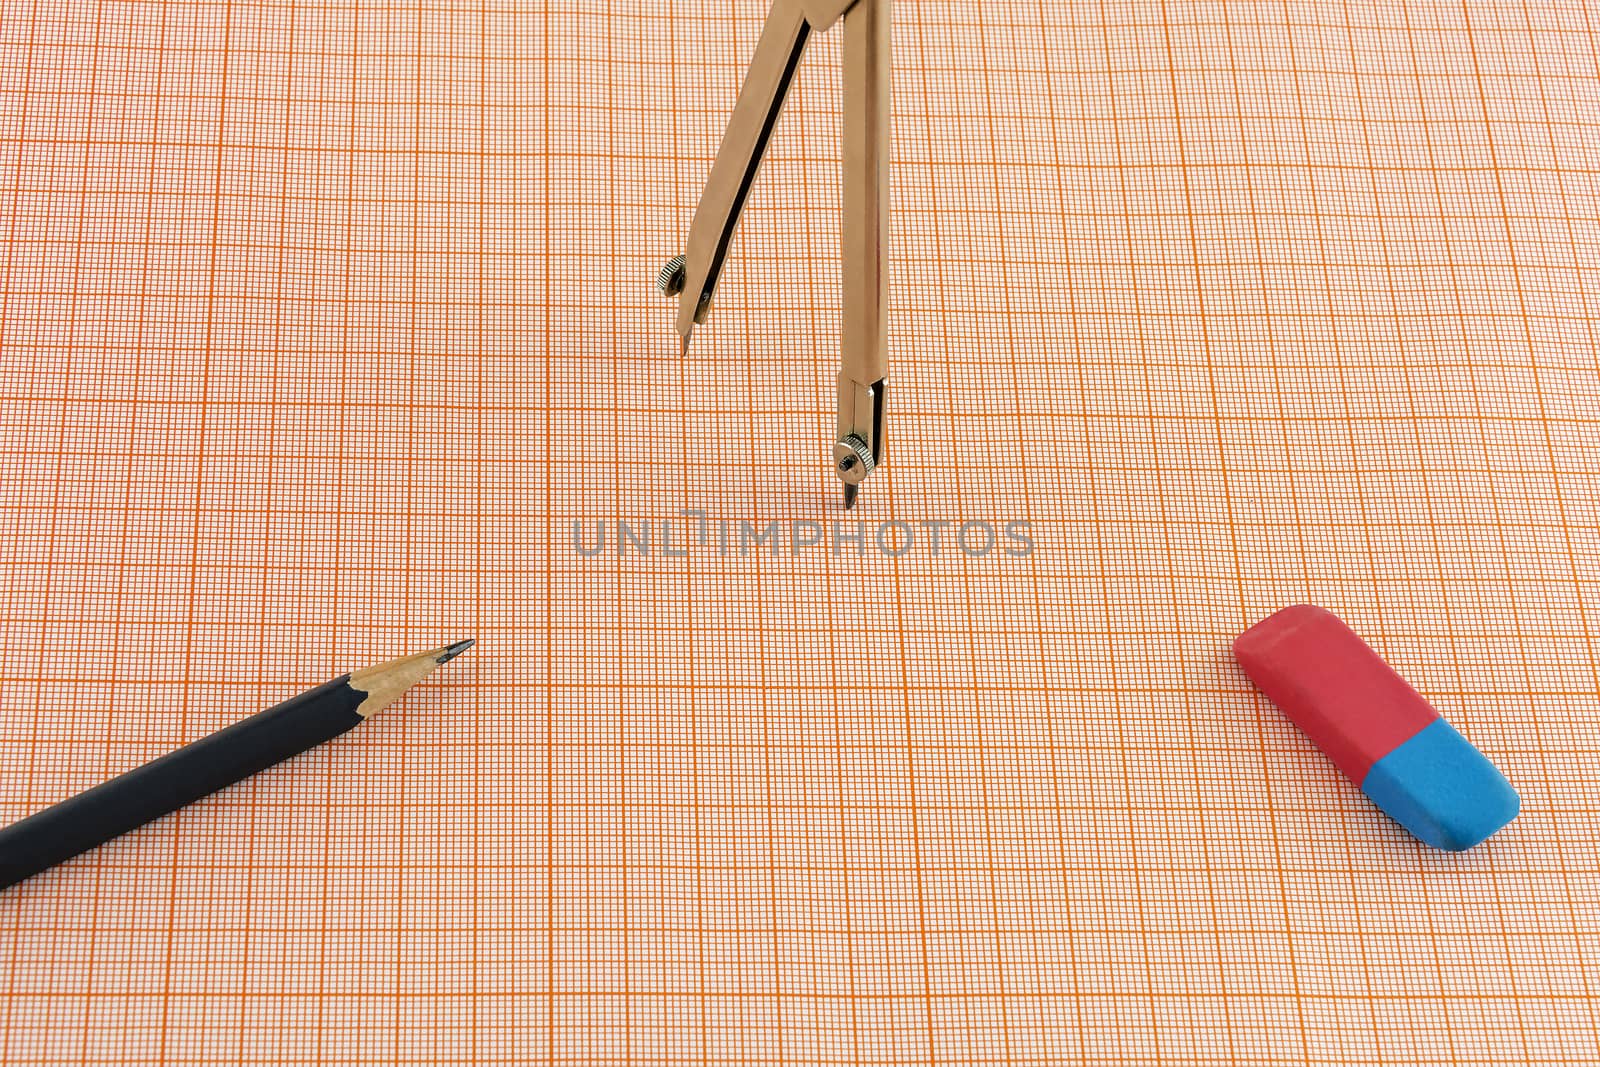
164,785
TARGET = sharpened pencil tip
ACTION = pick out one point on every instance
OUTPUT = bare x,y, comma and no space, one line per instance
850,494
452,651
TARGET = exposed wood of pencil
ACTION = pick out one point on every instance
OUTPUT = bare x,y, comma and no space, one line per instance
384,683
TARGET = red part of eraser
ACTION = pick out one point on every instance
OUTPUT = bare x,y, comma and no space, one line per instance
1331,684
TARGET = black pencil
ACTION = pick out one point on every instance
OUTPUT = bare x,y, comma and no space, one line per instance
164,785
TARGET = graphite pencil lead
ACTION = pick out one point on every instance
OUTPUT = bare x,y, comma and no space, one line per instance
850,492
452,651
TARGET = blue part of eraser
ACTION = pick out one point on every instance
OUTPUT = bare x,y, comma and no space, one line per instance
1442,789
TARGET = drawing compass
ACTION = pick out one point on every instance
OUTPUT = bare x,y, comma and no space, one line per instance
692,277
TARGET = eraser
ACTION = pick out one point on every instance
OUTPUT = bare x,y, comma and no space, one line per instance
1375,728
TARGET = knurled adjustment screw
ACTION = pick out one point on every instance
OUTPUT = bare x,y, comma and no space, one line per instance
854,458
669,282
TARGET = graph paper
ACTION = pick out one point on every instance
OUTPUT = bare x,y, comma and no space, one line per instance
328,335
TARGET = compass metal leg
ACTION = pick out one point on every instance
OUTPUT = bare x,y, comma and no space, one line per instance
864,337
777,55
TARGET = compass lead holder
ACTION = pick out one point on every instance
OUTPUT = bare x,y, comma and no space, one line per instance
863,335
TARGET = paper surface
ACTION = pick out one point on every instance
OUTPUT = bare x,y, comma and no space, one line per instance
322,324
